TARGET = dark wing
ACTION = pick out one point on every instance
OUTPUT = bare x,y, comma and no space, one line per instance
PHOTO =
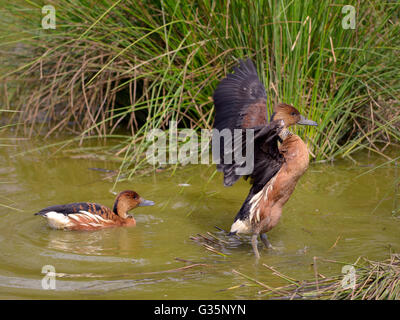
267,162
265,159
240,99
241,103
74,208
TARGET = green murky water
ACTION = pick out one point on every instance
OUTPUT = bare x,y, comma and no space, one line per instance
330,204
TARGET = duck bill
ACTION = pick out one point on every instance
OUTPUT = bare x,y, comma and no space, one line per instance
145,203
306,122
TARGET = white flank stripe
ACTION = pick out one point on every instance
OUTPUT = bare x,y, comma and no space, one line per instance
90,215
95,224
241,226
102,219
254,209
57,220
75,216
95,217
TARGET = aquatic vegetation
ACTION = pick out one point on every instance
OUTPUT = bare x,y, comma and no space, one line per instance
364,279
373,280
135,65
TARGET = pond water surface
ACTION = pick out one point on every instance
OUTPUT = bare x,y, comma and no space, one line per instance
334,213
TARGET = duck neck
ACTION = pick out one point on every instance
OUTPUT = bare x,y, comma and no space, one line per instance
120,209
284,133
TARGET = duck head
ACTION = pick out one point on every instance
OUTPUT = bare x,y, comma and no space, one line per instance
290,116
128,200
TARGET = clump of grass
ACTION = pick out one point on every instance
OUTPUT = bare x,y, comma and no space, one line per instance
212,243
131,65
374,280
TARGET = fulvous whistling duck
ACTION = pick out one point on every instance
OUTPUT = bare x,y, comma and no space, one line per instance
93,216
280,157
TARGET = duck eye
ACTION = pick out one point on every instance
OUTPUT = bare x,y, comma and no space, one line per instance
293,113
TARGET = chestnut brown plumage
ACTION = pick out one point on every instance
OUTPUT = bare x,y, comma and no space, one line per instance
93,216
280,157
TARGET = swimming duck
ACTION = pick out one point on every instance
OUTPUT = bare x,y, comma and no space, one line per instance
93,216
280,157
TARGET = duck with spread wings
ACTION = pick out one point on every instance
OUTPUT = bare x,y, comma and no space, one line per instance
280,157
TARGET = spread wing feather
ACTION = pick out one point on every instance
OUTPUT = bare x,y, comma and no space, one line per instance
241,103
240,99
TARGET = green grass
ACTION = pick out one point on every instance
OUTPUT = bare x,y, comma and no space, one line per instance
125,67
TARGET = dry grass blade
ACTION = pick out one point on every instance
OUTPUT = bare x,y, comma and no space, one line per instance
374,280
212,244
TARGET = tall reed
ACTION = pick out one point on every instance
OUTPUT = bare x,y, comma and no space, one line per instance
116,65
